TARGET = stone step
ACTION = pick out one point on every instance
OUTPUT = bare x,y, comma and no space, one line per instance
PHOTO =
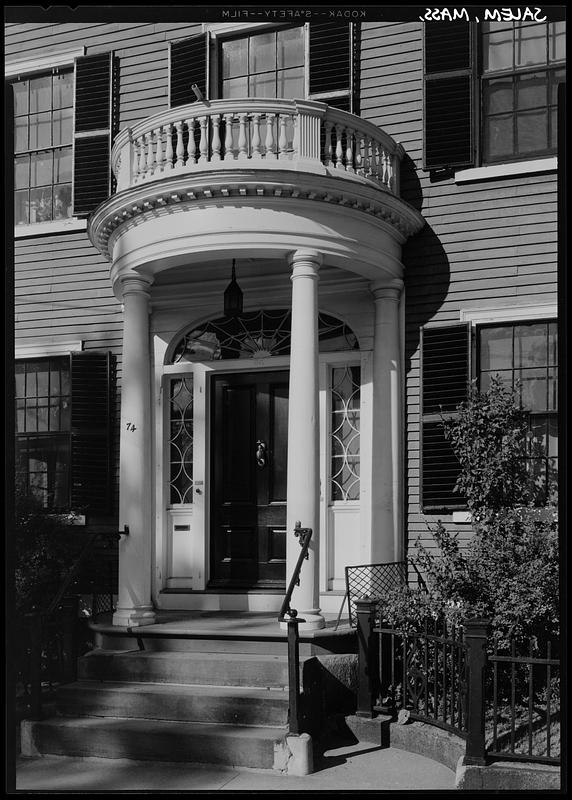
188,703
238,669
157,740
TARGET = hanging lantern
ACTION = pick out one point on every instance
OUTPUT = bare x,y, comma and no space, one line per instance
233,296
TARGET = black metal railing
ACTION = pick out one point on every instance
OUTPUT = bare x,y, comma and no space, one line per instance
503,704
49,640
290,616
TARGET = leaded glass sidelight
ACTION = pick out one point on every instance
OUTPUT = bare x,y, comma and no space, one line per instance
345,433
181,440
257,334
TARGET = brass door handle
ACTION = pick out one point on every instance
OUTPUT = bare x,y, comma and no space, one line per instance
261,454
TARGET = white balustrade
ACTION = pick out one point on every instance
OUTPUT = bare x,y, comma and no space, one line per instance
197,136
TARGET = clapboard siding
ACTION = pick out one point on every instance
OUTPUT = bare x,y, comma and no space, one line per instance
485,241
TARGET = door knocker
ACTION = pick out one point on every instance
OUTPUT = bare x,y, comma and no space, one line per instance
260,454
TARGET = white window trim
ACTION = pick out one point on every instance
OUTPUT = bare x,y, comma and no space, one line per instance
28,66
500,314
506,170
53,226
50,61
43,349
224,28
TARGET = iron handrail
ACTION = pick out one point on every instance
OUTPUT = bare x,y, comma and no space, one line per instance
305,534
290,616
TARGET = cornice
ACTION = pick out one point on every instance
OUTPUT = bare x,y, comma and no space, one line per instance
144,201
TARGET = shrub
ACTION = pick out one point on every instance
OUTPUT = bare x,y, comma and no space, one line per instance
509,570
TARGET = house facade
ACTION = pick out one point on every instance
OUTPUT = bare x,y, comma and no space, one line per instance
254,263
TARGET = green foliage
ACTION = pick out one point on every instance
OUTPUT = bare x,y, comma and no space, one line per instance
42,553
509,571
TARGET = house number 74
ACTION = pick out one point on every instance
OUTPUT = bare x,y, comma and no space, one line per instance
131,427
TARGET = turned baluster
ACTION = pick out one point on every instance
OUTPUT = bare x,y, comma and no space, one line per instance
328,148
168,129
150,154
256,136
350,150
191,147
140,151
216,138
159,158
228,151
339,149
283,139
269,143
180,145
204,141
242,141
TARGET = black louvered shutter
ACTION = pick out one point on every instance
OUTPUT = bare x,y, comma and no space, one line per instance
331,63
91,378
188,65
92,132
448,107
445,379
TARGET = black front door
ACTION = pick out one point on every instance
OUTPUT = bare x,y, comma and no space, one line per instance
249,424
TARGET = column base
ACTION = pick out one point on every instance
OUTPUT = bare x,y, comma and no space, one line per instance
312,622
134,617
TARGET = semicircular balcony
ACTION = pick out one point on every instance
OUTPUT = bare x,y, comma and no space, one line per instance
315,175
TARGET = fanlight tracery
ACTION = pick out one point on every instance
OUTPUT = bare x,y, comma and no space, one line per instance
256,334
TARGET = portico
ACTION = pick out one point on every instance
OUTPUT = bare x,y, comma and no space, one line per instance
321,243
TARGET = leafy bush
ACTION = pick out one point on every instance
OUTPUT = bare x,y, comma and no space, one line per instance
42,553
509,570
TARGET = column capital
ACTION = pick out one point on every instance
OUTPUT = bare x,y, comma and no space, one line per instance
305,257
135,284
388,290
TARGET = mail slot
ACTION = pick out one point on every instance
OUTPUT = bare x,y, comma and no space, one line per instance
182,527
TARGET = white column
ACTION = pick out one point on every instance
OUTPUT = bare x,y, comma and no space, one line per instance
134,606
387,478
303,481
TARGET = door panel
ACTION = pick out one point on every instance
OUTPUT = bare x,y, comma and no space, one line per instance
249,427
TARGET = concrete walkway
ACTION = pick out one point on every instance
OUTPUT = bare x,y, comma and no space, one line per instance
351,768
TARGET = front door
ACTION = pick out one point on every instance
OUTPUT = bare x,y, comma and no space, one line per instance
249,425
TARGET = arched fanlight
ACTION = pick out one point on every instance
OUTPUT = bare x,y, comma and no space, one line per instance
233,296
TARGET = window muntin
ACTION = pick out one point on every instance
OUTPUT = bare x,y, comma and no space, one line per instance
522,66
43,132
181,440
257,334
269,64
526,355
345,433
43,430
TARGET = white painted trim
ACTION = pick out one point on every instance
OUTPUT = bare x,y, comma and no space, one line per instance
24,66
462,517
505,170
40,349
514,313
223,28
54,226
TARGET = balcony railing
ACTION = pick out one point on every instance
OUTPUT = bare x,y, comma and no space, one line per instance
256,133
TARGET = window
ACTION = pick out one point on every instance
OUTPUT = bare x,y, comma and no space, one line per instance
522,66
43,123
63,126
522,354
525,355
43,430
490,92
63,425
345,433
282,62
269,64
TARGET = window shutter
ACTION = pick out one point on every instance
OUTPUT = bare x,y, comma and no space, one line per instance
448,104
188,65
91,429
92,132
445,378
332,63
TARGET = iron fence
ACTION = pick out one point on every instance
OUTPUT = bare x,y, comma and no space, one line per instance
504,704
522,714
372,581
